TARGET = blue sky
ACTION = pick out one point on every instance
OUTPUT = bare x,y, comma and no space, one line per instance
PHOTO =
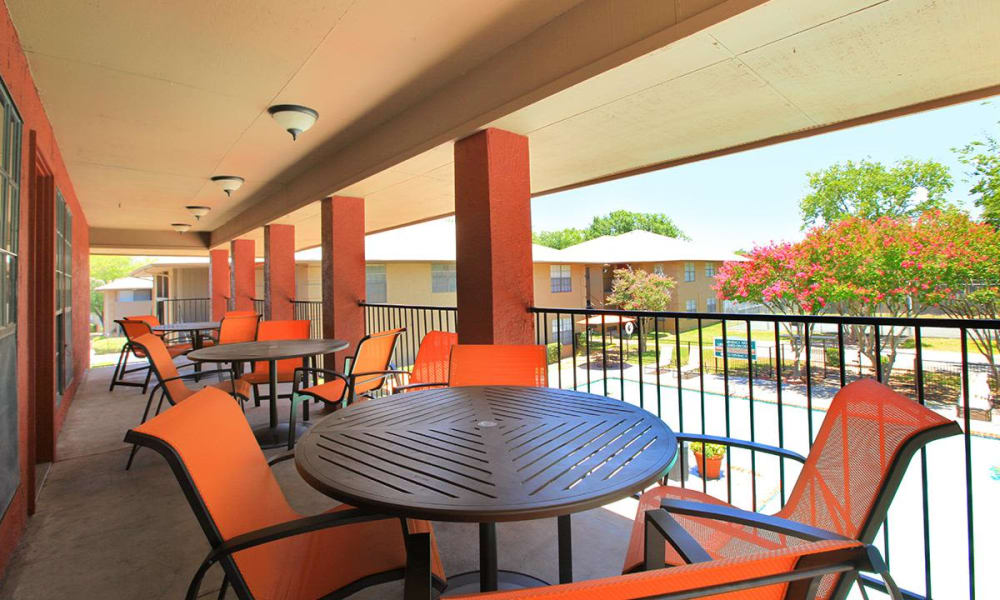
752,197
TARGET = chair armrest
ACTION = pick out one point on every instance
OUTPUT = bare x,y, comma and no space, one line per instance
325,372
714,439
276,532
662,528
412,386
194,375
731,514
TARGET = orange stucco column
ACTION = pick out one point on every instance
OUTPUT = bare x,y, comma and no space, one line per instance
493,239
218,282
343,239
279,272
242,277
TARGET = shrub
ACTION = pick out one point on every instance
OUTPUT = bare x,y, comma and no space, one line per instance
710,450
552,352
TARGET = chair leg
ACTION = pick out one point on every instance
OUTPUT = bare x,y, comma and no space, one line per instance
291,424
149,374
224,588
145,415
305,409
256,395
118,368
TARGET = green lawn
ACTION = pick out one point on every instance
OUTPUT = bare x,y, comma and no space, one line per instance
107,345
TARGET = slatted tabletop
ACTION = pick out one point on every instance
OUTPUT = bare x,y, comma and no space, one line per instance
486,454
195,326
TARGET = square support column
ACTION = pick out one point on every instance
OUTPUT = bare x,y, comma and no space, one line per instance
493,239
343,239
243,280
218,282
279,272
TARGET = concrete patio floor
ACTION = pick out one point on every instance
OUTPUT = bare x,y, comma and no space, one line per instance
103,532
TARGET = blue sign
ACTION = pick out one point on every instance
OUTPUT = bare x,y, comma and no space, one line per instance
736,348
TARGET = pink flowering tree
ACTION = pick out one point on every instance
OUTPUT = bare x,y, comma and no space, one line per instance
780,277
890,267
636,289
972,256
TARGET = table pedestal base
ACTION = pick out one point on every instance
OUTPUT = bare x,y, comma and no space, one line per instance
468,583
277,437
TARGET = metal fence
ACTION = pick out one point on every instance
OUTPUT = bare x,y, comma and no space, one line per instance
312,311
417,320
725,375
181,310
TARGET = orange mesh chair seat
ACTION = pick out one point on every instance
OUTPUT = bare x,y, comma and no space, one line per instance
171,383
236,327
266,549
860,454
785,574
473,364
135,327
364,375
431,366
276,330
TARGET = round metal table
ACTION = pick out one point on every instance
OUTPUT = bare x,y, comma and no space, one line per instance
274,434
486,455
194,329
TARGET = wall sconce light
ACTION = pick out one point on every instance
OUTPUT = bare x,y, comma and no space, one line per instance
198,211
181,227
228,183
293,117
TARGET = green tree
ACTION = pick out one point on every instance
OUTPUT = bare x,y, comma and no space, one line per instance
623,221
635,289
104,269
982,157
559,239
870,190
615,223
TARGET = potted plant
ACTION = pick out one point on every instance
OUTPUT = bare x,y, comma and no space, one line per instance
708,458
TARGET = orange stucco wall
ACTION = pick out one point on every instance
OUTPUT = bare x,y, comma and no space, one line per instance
17,77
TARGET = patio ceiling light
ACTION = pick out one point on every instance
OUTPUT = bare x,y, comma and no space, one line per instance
293,117
228,183
198,211
181,227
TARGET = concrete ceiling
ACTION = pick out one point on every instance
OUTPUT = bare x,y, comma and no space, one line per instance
152,102
784,68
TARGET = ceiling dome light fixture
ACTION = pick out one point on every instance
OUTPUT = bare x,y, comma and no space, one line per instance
198,211
181,227
228,183
293,117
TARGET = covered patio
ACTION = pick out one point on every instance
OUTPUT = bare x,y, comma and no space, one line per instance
165,132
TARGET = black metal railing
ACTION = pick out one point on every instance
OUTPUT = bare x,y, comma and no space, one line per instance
181,310
769,378
312,311
417,320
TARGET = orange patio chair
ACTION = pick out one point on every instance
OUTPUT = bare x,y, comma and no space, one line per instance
473,364
266,549
133,328
363,375
171,383
236,327
839,492
785,574
430,367
276,330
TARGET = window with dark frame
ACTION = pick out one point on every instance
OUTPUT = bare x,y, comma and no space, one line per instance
64,292
689,272
10,210
560,278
